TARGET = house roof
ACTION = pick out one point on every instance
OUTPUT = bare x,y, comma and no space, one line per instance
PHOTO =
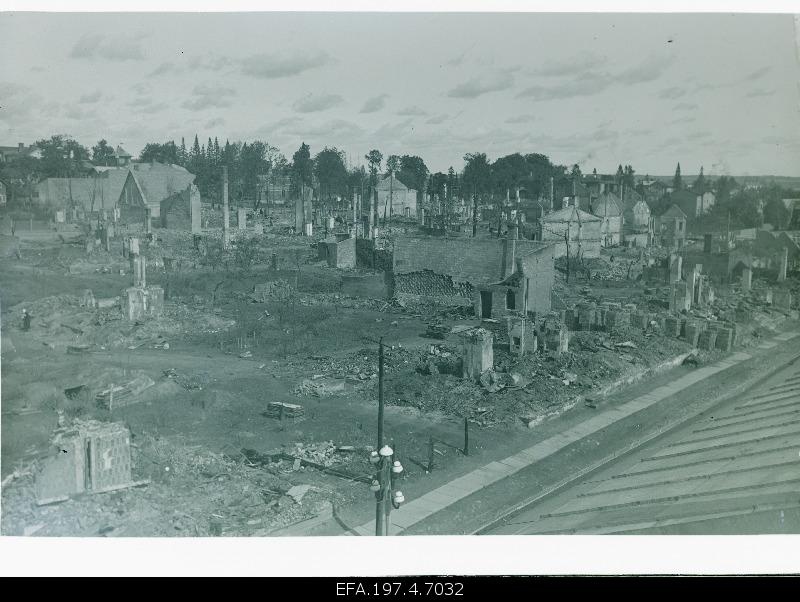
396,183
101,192
121,152
607,204
570,214
157,181
674,211
630,196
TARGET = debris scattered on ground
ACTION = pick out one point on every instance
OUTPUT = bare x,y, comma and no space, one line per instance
280,410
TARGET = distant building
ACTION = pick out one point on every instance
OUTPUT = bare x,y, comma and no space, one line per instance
706,201
276,188
652,190
693,204
608,207
793,218
403,198
494,275
8,153
121,157
146,185
91,194
637,220
670,228
598,184
572,230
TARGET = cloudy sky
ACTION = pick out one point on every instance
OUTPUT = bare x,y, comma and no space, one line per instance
598,90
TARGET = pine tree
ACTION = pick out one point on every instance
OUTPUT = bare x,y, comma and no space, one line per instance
677,183
182,156
700,183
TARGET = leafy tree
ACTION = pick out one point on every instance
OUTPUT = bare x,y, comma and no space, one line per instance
331,173
392,164
303,166
725,185
253,163
413,173
102,153
540,170
162,153
20,175
374,159
628,180
477,179
507,174
61,157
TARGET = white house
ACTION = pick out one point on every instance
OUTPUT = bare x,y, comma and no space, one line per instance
402,198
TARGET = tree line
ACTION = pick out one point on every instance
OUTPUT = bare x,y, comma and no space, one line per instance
334,182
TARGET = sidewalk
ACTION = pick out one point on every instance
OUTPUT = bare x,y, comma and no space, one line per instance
458,489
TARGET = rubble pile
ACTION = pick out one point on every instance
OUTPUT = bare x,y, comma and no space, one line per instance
320,387
280,411
60,320
188,492
323,453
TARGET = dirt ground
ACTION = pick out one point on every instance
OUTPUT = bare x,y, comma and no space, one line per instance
209,459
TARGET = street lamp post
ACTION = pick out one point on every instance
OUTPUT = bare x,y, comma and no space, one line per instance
386,496
388,470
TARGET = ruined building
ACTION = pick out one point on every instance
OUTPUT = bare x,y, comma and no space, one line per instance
670,228
181,211
493,275
573,232
608,207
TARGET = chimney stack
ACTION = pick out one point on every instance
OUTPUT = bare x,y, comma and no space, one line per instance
707,238
226,214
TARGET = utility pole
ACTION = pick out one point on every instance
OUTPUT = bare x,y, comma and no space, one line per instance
381,477
391,198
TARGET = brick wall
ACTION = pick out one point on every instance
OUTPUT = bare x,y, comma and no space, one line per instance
344,253
426,284
474,260
540,272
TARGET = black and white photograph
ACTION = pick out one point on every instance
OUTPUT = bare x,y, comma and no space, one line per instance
360,274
